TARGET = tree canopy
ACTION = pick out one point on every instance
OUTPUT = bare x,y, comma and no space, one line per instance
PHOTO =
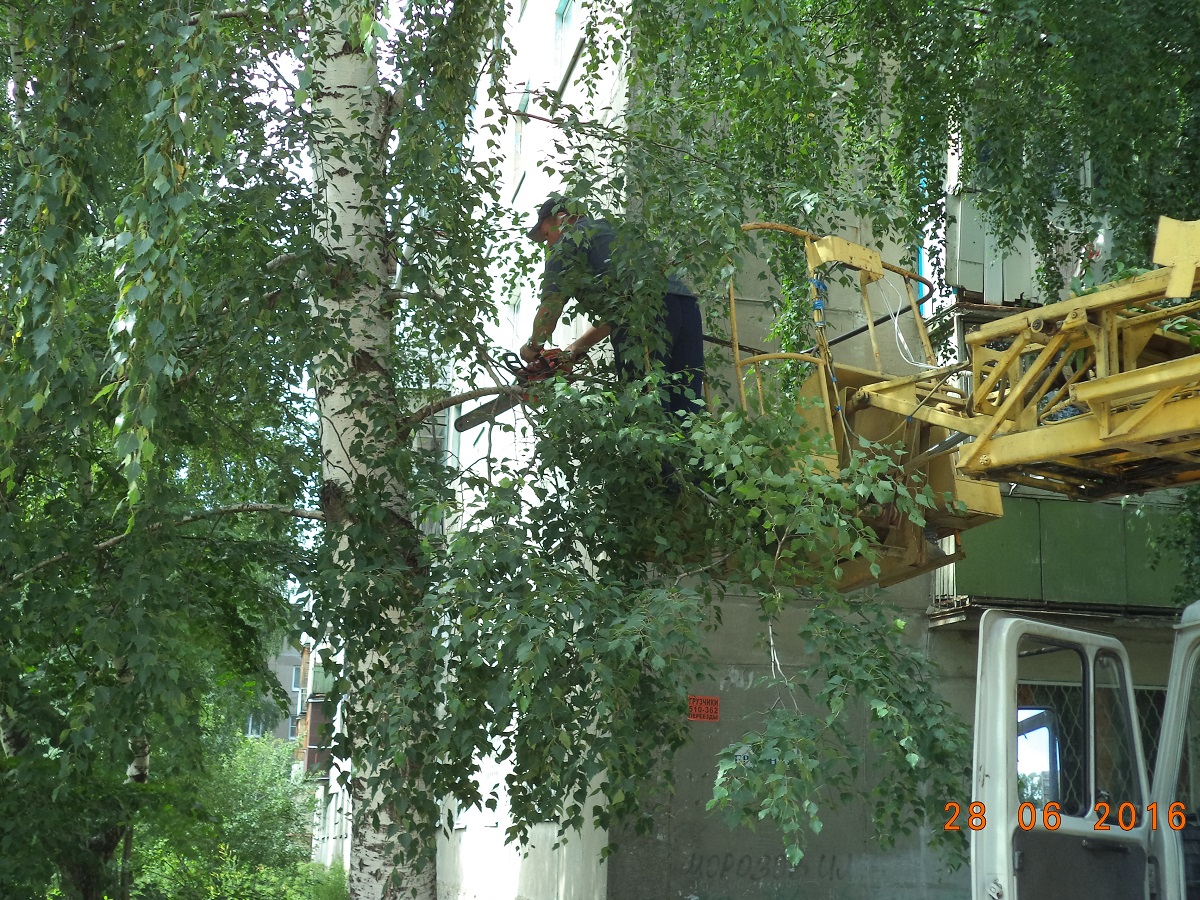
1065,116
209,214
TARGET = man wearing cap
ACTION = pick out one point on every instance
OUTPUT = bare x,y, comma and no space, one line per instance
621,289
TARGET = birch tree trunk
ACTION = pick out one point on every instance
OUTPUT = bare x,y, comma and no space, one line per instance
355,391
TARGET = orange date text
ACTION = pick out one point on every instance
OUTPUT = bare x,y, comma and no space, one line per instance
1125,816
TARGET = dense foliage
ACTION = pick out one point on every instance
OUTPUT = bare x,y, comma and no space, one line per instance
1065,116
657,527
153,438
201,220
241,831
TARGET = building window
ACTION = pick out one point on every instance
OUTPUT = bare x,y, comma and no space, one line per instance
519,127
569,71
293,727
564,17
254,726
295,678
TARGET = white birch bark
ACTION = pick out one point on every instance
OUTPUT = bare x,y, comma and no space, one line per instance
138,769
12,741
345,90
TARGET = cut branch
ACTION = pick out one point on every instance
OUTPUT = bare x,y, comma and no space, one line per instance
109,543
393,295
282,260
432,409
715,564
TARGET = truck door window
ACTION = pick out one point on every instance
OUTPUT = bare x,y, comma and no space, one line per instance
1052,759
1116,764
1037,757
1187,791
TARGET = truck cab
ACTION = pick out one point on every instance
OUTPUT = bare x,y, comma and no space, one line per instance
1063,800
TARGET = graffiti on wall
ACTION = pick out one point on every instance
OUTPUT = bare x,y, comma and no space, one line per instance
829,867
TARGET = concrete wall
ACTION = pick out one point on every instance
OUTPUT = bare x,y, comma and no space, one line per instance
476,863
694,855
268,718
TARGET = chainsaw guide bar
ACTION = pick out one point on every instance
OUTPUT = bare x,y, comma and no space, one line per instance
550,364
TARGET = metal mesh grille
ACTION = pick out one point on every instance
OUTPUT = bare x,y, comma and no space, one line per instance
1150,705
1064,780
1066,701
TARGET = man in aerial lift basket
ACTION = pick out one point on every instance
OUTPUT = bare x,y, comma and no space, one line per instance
614,281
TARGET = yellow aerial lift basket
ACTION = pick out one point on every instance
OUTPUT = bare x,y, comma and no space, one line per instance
1093,396
925,450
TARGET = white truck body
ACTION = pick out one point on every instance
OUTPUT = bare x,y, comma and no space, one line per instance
1064,804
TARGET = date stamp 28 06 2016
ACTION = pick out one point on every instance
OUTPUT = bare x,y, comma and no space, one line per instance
1123,815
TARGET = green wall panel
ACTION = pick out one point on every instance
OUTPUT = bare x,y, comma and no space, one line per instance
1083,552
1146,585
1003,558
1069,552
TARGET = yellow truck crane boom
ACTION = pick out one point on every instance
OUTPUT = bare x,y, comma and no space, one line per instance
1094,396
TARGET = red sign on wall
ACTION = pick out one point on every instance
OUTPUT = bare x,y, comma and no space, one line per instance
704,709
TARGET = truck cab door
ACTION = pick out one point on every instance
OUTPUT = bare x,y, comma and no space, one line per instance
1059,775
1175,845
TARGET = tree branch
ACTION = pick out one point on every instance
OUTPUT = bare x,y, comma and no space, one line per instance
432,409
395,294
282,260
596,129
109,543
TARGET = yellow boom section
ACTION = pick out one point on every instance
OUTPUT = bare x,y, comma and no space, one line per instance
1094,396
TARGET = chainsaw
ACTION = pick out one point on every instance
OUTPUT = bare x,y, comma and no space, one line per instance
551,363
